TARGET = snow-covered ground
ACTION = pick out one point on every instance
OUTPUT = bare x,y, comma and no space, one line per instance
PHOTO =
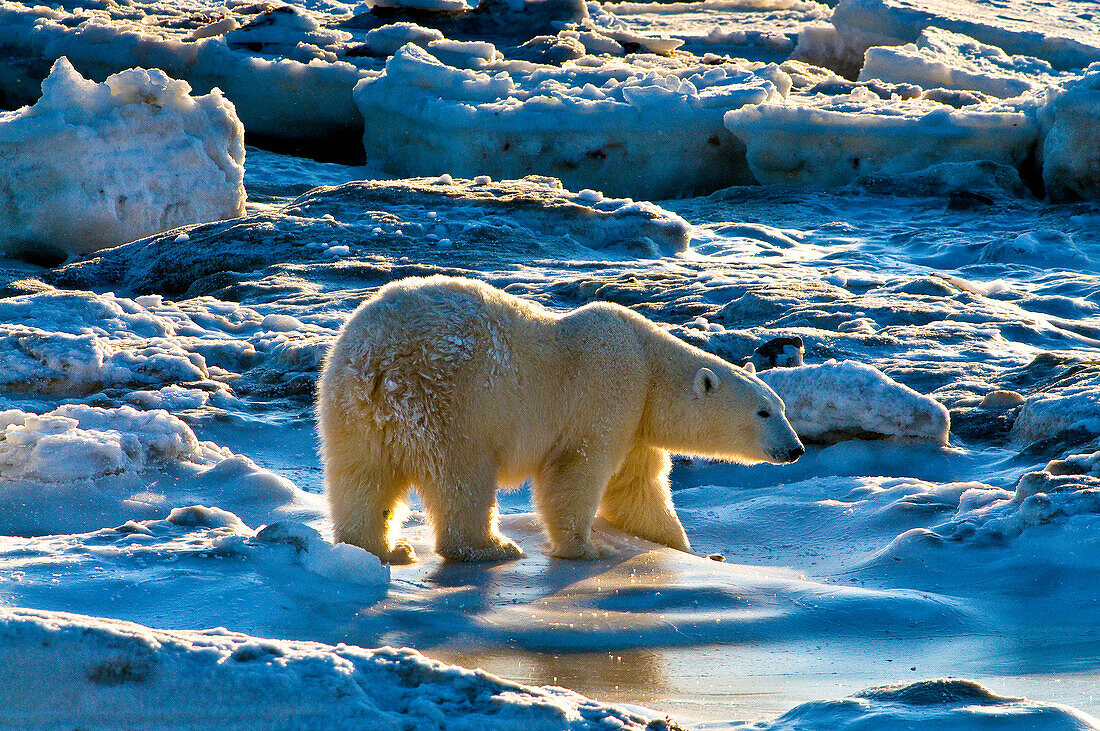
921,266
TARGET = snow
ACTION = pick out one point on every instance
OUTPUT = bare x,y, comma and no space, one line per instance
95,165
930,704
644,128
830,399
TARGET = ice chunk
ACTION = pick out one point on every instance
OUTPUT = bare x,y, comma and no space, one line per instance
1053,32
96,165
1071,148
942,59
644,127
832,401
1047,413
828,141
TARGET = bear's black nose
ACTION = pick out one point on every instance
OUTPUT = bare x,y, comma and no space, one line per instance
796,453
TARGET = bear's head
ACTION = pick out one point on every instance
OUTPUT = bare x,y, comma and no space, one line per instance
722,411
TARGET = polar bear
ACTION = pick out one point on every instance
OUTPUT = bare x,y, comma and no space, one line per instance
451,386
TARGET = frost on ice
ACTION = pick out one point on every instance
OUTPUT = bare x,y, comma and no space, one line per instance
95,165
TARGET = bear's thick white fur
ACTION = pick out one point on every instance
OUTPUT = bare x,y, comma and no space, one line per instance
451,387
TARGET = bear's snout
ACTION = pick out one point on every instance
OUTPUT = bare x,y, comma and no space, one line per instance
792,454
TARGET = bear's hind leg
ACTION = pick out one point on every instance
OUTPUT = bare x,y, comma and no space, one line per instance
567,494
638,500
462,505
367,503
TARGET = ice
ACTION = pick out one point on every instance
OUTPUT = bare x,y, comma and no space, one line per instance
931,559
946,60
644,127
499,222
300,99
1060,34
95,165
1071,161
828,141
833,400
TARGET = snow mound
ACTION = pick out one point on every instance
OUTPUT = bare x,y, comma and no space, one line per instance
81,467
957,705
833,401
72,671
942,59
95,165
829,141
644,127
1071,149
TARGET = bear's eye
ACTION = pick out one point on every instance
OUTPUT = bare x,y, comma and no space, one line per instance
763,413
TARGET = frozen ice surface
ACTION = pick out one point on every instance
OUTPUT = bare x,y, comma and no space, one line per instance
643,127
764,30
95,165
503,221
827,141
834,400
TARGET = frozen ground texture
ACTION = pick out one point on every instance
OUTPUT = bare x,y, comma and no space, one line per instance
95,165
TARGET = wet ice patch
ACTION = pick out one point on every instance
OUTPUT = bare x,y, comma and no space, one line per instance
96,165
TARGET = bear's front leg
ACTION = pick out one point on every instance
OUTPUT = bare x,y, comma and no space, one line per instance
462,506
638,499
567,494
366,501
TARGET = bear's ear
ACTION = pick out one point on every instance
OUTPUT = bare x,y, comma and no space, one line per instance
750,367
706,381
